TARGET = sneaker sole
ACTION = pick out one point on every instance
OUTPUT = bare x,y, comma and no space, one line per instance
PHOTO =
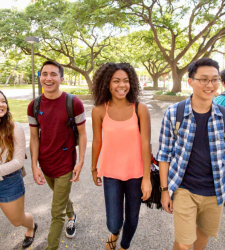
71,236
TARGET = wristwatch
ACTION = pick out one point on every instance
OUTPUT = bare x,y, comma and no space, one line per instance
161,189
93,169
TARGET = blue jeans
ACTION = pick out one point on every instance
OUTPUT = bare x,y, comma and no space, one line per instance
12,187
115,190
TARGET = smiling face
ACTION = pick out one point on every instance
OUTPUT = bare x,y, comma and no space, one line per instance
3,105
50,79
119,84
204,92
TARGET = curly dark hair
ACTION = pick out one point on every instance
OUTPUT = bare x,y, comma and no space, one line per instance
6,133
101,81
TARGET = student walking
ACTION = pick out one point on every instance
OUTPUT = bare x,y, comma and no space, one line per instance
55,149
12,189
191,164
125,151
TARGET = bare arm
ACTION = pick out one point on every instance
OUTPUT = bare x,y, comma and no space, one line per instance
166,201
82,148
97,142
34,152
145,126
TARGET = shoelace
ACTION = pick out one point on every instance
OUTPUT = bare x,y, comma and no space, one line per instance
70,224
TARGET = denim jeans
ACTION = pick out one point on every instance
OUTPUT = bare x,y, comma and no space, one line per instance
115,190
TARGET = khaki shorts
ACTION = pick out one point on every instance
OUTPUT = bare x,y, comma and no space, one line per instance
191,210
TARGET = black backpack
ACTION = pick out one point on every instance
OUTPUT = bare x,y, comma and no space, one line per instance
180,116
70,111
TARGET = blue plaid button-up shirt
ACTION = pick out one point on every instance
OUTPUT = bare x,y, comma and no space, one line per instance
178,151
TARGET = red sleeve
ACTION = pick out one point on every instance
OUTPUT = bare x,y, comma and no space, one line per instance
79,114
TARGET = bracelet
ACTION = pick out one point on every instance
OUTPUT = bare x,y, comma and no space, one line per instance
93,169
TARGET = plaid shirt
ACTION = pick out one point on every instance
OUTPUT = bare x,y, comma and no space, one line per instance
178,151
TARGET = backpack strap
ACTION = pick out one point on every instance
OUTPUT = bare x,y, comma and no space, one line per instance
136,111
222,110
36,107
70,111
179,117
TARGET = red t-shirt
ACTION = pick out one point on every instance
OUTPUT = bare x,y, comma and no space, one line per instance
56,142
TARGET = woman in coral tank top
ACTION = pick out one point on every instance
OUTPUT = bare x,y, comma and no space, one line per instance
125,152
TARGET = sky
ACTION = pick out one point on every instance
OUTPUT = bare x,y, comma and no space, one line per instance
20,4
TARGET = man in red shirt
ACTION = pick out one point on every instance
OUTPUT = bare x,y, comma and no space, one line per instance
54,149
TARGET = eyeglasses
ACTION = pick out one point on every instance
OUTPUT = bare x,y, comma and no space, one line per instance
207,81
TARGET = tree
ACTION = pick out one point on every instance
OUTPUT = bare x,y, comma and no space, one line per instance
139,49
149,55
193,25
65,34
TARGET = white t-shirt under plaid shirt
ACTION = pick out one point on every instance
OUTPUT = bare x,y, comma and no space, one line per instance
178,151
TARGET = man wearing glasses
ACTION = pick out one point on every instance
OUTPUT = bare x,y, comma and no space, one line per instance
191,165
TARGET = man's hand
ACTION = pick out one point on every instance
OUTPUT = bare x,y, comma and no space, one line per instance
146,188
38,176
76,171
167,203
97,180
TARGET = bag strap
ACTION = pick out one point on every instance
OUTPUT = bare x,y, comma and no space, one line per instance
136,111
69,109
179,117
36,107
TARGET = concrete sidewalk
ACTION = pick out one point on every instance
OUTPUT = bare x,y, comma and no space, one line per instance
155,230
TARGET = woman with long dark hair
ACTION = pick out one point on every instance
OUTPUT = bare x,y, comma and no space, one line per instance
12,190
125,148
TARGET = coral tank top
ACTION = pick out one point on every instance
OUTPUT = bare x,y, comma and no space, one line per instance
121,156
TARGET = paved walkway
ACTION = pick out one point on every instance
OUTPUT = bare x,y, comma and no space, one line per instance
155,229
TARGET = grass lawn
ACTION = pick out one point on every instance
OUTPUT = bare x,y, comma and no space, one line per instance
66,88
18,109
21,86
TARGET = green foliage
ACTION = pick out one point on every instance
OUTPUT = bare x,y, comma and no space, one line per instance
83,34
80,92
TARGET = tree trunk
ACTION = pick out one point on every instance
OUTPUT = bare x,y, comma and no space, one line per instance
19,79
177,78
155,81
75,80
11,74
79,79
89,81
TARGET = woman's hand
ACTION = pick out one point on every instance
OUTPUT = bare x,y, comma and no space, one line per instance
146,188
97,180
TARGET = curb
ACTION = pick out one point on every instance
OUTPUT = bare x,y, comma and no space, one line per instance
158,88
84,97
169,98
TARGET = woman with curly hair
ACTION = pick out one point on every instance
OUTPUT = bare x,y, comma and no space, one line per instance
12,190
125,151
